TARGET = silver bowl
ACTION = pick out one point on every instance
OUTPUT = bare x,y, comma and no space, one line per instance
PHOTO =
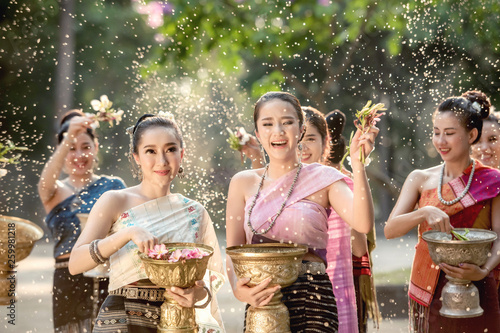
460,297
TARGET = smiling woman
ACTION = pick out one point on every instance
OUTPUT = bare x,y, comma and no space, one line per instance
63,200
285,202
459,193
487,149
136,219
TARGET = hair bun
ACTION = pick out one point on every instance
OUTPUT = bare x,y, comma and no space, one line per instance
336,122
479,102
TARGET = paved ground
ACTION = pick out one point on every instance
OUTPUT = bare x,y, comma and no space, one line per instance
33,312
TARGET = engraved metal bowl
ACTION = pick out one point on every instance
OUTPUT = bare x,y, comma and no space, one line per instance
182,274
280,262
25,233
453,252
460,297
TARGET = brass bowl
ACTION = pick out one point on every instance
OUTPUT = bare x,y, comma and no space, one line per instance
179,274
25,232
182,274
281,262
453,252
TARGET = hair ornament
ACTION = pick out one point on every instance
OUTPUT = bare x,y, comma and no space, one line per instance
476,106
166,114
130,130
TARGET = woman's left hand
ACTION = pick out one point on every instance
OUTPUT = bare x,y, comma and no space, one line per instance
465,271
190,296
365,141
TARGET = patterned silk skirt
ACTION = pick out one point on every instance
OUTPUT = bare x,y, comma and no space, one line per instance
120,314
311,304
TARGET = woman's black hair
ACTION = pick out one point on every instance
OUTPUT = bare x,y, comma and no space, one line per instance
283,96
65,124
316,119
494,117
336,123
145,122
470,109
150,120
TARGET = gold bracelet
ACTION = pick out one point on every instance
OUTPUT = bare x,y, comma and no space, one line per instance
204,305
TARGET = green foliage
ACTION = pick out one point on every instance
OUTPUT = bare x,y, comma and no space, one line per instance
408,55
268,82
8,148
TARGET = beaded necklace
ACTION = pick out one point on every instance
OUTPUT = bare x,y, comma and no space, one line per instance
464,192
255,232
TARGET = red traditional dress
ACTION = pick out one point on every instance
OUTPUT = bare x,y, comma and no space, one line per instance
427,280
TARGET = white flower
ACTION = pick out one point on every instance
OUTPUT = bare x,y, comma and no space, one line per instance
101,105
118,116
96,105
95,123
3,172
242,135
476,106
166,114
105,102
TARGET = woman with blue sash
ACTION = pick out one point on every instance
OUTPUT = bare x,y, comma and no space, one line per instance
73,299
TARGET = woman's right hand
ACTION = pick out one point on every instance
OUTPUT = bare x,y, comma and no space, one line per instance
259,295
251,149
437,219
77,126
142,238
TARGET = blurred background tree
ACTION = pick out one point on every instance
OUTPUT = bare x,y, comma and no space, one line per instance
208,61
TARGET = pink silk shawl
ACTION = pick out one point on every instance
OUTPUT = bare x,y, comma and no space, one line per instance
339,258
308,223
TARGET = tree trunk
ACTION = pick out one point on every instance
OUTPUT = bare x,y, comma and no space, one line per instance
65,70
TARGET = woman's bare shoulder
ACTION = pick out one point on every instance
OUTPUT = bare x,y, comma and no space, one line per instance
423,178
247,176
119,200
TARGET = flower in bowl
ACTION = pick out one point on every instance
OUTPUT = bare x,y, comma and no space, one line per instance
161,252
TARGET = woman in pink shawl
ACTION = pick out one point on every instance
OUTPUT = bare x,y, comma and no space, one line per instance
285,202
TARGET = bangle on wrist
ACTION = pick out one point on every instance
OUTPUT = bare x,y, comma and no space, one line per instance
95,254
204,305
